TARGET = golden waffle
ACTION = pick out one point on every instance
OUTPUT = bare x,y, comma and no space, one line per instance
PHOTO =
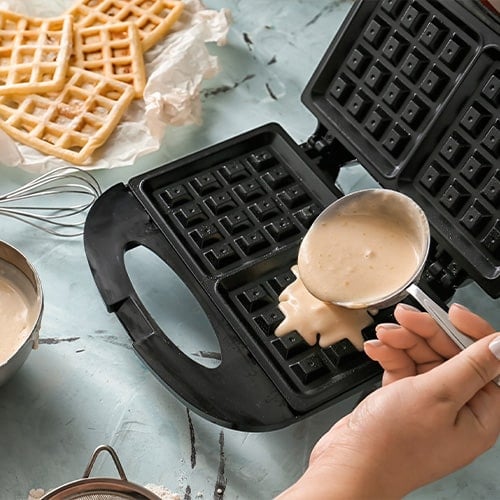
34,53
71,123
113,50
153,18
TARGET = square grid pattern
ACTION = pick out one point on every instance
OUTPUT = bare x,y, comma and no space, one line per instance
238,210
71,123
153,18
403,64
315,373
34,53
463,176
113,50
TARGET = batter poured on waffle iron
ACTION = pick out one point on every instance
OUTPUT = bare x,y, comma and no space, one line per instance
311,317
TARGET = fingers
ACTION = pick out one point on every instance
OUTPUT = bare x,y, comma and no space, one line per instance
401,353
395,362
415,346
469,323
423,325
462,376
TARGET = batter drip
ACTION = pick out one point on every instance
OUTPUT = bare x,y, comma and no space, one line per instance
313,318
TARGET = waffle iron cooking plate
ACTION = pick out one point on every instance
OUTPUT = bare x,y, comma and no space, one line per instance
410,90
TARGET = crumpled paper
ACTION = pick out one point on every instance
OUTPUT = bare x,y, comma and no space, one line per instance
176,68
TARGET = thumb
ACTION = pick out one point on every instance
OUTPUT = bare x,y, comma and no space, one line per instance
462,376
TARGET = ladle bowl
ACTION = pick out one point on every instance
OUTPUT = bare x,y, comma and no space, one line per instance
403,218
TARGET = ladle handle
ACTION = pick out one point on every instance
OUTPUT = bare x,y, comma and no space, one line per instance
441,318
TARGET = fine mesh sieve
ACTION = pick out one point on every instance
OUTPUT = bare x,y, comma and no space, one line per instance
101,488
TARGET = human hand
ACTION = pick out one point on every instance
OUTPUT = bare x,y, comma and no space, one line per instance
410,432
417,344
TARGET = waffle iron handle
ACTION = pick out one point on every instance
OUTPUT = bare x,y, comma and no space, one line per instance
237,393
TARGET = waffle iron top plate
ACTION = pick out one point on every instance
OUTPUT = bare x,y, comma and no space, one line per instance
412,89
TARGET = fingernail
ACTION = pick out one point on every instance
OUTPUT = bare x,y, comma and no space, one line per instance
494,347
407,307
373,342
387,326
460,306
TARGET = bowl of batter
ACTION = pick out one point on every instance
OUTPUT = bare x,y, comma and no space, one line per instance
21,306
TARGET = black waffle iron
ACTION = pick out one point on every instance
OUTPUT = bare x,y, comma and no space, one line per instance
411,90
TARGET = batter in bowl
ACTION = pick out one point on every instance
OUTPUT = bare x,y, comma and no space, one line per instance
17,315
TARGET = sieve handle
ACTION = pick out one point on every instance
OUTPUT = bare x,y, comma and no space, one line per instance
114,456
440,316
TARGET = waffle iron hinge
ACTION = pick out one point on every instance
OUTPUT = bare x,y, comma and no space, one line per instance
327,153
442,275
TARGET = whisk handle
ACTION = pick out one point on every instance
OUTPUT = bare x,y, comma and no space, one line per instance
230,394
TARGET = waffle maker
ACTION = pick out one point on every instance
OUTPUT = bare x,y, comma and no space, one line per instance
408,88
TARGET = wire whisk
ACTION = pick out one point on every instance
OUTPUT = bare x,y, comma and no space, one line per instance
62,196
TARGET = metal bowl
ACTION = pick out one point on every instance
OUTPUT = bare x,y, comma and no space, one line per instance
18,274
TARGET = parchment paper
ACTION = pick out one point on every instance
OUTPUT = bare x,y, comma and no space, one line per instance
176,68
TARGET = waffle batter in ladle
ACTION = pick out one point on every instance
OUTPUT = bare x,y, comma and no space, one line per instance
364,249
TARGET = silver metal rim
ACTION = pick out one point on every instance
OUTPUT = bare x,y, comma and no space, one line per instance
84,487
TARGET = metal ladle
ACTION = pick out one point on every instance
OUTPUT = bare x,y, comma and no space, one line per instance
404,211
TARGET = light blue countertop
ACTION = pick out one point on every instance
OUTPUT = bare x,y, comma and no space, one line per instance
85,387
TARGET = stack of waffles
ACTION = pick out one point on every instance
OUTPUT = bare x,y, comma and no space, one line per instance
66,82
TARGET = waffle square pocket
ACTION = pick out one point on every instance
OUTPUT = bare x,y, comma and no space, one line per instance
71,123
34,53
153,18
112,50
